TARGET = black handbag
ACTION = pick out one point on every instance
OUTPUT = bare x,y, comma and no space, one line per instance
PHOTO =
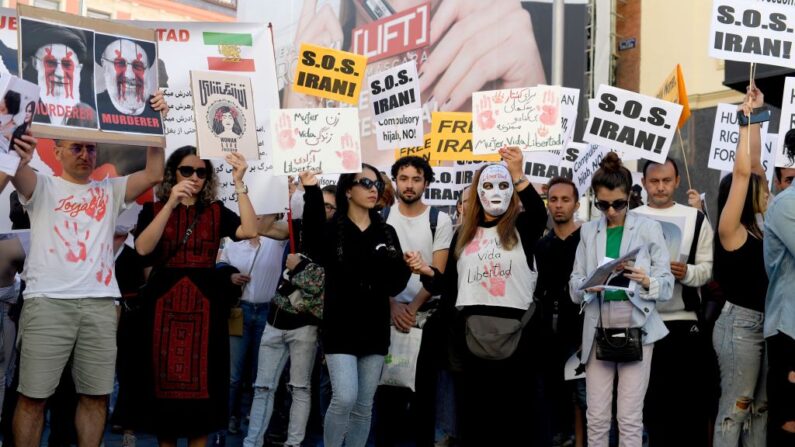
618,345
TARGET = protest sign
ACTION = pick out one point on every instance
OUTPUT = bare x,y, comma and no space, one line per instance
725,134
451,137
423,151
393,33
673,90
329,73
586,164
786,122
756,32
525,117
401,129
569,108
450,181
769,155
324,140
395,90
95,78
541,166
224,112
19,99
631,122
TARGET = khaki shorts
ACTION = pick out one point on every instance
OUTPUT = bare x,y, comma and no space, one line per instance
51,330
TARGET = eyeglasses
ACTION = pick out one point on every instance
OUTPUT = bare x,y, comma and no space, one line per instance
330,207
618,205
187,171
121,64
77,149
366,183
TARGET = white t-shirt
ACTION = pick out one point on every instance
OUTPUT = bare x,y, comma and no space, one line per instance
414,234
71,243
264,270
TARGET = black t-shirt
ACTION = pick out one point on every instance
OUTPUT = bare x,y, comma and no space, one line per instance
741,273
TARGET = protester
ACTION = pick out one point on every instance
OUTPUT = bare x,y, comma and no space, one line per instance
555,259
364,266
490,273
12,259
69,308
739,269
612,236
180,236
779,328
680,359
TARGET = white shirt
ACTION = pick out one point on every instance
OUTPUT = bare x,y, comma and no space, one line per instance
697,274
263,265
71,238
414,234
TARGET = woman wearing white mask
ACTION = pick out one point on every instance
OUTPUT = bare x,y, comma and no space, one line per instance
490,273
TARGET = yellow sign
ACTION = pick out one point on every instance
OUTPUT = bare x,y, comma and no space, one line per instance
673,90
418,151
329,73
451,138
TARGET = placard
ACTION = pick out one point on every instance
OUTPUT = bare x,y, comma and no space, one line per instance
401,129
19,99
786,122
451,138
590,155
329,73
395,90
634,123
725,134
450,181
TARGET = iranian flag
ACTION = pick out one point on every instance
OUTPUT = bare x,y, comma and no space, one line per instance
231,47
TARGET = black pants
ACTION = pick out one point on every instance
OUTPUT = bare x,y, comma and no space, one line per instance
675,411
780,389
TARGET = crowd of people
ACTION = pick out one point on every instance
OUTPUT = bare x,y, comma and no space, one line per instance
690,343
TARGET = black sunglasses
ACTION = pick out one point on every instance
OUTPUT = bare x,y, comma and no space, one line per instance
618,205
187,171
366,183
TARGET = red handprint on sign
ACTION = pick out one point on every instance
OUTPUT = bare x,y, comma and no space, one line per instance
286,132
550,108
75,246
485,114
349,153
495,284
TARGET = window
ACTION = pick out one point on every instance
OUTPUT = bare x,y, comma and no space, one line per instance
48,4
94,14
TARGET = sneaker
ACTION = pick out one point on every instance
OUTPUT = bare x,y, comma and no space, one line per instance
128,440
234,426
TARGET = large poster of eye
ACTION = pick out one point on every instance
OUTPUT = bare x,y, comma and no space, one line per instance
125,81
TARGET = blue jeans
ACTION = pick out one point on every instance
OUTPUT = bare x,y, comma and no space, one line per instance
353,384
740,345
300,344
243,350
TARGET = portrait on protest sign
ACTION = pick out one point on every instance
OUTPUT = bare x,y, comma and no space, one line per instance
17,105
58,59
127,82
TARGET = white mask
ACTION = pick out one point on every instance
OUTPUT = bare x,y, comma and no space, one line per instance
495,201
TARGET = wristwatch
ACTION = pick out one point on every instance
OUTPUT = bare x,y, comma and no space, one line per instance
520,181
241,189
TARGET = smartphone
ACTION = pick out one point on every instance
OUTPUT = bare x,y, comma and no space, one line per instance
759,115
18,132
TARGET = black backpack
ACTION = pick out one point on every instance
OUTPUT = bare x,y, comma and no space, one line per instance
433,218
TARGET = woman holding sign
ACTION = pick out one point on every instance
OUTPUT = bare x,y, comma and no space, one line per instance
489,281
623,310
739,269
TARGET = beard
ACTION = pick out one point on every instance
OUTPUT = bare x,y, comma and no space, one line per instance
409,200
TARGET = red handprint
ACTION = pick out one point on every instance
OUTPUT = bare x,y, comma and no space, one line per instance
485,114
98,204
286,132
495,284
499,97
474,246
105,272
349,153
549,114
76,248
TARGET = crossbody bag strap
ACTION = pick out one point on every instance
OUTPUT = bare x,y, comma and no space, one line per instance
528,314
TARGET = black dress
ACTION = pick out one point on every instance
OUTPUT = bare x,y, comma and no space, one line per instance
187,306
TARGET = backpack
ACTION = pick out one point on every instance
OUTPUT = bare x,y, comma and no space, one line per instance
433,218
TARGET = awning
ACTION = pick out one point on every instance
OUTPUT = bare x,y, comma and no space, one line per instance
769,79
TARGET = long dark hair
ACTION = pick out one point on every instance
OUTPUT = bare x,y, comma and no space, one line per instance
612,174
751,206
344,185
208,193
218,126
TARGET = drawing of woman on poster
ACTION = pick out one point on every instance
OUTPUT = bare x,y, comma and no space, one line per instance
9,106
226,124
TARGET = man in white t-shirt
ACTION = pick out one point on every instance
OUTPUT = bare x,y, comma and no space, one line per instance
69,307
678,368
423,229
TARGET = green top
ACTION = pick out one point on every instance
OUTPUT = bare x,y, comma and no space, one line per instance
614,251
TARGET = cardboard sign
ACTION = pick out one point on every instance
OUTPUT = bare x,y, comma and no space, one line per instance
451,137
423,151
450,181
395,34
19,101
402,129
786,122
631,122
395,90
329,73
673,90
324,140
525,117
223,107
756,32
590,155
725,134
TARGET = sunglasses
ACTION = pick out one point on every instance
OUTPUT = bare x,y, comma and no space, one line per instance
187,171
366,183
330,207
618,205
77,149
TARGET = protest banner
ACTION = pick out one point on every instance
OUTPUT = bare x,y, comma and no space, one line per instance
224,111
396,33
325,140
786,122
329,73
631,122
450,181
528,118
673,90
725,134
95,78
400,129
451,138
752,31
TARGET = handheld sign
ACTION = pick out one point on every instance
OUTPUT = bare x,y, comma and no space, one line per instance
586,164
401,129
324,140
631,122
395,90
725,134
756,32
541,166
329,73
423,151
787,122
451,137
450,182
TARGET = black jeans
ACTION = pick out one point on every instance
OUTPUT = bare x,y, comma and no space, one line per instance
780,390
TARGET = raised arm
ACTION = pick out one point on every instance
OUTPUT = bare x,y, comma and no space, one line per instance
24,180
269,226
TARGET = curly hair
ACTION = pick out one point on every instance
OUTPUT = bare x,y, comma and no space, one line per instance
218,126
209,192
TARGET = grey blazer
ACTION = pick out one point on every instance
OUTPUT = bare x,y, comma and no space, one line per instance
638,230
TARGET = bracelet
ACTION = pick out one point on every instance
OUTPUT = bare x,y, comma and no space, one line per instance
520,181
241,189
